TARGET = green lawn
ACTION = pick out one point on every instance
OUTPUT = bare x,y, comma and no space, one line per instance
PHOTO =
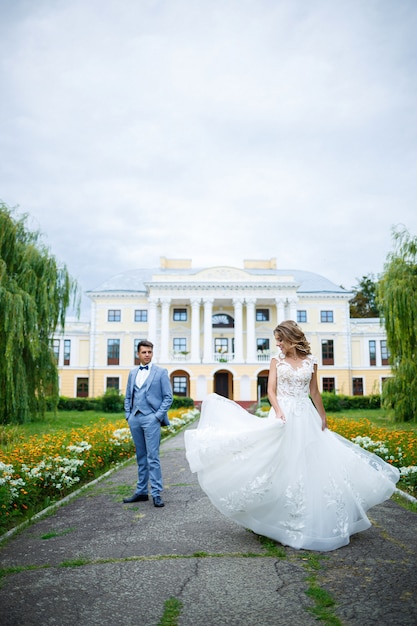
67,420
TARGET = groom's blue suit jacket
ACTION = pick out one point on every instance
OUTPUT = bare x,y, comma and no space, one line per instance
158,393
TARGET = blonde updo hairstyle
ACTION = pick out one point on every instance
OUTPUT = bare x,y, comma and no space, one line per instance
292,334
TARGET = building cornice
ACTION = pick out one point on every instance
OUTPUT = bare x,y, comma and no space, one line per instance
324,295
218,286
279,289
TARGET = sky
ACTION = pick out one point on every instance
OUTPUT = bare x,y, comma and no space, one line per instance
211,130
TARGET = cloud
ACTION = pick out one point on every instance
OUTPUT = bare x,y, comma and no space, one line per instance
214,131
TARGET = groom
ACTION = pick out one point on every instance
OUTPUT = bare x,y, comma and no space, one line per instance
148,398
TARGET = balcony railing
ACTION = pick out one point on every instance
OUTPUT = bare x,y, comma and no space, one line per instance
180,356
220,357
223,357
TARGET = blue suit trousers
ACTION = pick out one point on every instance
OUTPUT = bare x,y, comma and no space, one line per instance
146,434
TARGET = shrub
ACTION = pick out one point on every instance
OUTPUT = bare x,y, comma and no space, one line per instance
333,402
180,402
112,401
79,404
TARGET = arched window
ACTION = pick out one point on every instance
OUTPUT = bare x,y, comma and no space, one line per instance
180,382
222,320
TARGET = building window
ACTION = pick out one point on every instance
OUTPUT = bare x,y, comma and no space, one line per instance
112,382
180,315
113,351
221,345
141,315
55,348
135,352
328,385
222,320
82,387
384,353
180,344
179,385
372,352
262,315
262,345
301,317
357,386
327,352
326,317
114,315
67,351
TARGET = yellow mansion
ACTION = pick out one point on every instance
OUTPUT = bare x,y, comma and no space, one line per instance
212,328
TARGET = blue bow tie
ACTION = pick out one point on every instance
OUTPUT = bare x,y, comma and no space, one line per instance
143,367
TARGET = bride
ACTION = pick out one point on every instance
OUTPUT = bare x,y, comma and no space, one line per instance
287,476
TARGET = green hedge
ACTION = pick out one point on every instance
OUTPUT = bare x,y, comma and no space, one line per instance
180,402
335,403
76,404
111,402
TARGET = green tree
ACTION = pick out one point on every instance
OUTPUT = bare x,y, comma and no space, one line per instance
397,298
363,304
35,292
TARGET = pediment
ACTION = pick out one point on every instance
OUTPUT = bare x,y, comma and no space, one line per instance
228,274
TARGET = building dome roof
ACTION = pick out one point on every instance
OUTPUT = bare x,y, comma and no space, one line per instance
133,281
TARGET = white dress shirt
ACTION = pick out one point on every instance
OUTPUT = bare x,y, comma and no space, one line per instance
142,375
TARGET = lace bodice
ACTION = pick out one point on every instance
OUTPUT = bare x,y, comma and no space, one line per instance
291,382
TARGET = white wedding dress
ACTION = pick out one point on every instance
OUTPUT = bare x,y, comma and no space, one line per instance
291,481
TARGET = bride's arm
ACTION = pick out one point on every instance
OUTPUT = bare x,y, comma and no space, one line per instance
317,399
272,390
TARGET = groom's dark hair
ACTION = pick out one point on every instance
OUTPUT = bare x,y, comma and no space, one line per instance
145,343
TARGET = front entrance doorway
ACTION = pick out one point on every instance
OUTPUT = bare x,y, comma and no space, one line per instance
262,386
223,384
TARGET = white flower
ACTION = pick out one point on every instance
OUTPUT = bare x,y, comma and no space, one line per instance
121,435
11,484
54,471
79,448
406,471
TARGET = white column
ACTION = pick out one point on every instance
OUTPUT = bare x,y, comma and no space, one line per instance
93,346
237,303
208,330
164,348
152,319
93,313
250,330
293,309
195,330
280,304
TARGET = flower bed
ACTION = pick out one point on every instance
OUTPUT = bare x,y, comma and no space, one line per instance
43,469
397,447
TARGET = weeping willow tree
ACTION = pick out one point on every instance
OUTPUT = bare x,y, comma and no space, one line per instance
35,292
397,298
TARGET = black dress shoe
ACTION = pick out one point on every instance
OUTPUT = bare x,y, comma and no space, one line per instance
138,497
157,501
